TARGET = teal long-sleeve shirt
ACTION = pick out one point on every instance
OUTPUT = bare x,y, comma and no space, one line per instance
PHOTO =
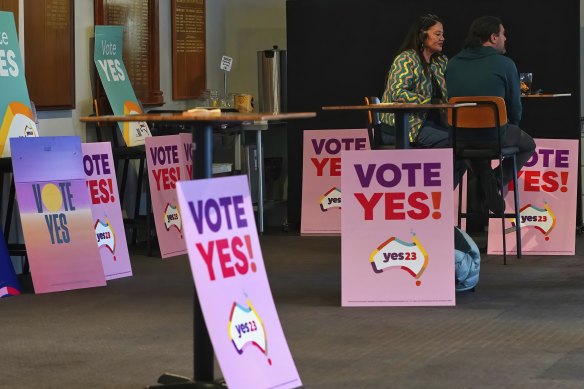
483,71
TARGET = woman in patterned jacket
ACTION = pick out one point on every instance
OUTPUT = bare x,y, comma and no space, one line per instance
417,76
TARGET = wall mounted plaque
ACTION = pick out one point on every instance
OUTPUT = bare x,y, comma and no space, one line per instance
49,53
188,49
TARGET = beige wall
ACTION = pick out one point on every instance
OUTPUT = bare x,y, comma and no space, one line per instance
252,26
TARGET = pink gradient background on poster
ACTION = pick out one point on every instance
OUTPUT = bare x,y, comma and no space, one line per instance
561,173
49,162
58,267
252,368
162,192
361,286
105,206
314,187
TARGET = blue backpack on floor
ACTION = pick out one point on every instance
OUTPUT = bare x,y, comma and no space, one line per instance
467,261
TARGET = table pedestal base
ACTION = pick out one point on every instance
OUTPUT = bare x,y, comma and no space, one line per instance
170,381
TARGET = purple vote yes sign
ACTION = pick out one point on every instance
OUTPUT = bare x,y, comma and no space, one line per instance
232,285
108,223
397,228
55,213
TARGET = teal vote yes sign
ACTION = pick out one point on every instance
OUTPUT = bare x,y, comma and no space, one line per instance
107,56
17,119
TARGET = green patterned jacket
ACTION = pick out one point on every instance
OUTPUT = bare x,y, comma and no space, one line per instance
407,83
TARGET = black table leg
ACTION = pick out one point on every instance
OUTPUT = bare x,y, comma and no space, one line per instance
402,140
203,350
203,358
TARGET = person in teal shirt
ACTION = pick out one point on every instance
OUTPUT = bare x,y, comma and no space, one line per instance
482,69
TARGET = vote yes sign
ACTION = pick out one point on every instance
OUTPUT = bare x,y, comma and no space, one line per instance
321,177
55,213
547,201
16,117
230,277
169,161
397,228
107,56
108,223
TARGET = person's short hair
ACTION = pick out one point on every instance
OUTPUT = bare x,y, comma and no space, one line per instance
480,31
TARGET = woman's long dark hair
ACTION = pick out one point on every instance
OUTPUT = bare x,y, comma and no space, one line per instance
417,35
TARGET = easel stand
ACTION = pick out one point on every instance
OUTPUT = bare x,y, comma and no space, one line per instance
14,249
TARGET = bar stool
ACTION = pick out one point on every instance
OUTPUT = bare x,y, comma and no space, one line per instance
374,126
476,135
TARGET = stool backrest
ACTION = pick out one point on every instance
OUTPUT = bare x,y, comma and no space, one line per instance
373,121
485,114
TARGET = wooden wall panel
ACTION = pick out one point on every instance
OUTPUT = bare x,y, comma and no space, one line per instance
10,6
188,49
49,53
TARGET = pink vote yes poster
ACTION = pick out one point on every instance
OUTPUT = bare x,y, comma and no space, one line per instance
397,242
232,285
321,177
55,213
169,161
547,202
108,223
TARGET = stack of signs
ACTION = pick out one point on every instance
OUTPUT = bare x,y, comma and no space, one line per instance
547,194
105,208
9,285
397,245
169,160
230,277
55,213
321,177
108,60
17,119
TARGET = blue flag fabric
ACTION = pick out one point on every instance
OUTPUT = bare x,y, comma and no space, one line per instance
9,285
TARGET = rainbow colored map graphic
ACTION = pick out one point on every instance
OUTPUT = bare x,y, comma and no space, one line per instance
104,233
247,329
172,218
331,199
395,253
542,220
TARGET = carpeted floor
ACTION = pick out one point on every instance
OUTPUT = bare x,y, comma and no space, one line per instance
523,327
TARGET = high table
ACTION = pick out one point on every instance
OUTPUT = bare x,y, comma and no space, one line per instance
202,125
400,110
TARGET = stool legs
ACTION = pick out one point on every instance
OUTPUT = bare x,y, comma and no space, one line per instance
459,213
517,209
503,215
515,215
